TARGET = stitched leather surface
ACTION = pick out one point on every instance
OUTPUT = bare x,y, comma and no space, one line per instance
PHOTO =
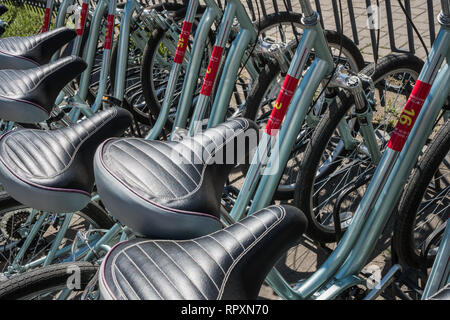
228,264
142,181
39,48
62,158
40,85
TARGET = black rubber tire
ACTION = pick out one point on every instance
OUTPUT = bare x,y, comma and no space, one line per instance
147,58
421,177
322,135
38,281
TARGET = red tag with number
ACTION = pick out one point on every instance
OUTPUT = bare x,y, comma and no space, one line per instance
81,21
211,72
183,42
109,31
281,105
46,20
409,115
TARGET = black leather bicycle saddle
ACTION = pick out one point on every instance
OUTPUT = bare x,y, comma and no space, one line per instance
29,95
32,51
169,189
53,170
229,264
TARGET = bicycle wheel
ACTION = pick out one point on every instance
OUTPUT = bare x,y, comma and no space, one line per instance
262,98
332,179
16,221
425,205
50,282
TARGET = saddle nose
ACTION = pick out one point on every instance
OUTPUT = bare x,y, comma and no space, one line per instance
32,51
28,96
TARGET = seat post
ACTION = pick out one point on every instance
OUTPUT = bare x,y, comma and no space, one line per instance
306,8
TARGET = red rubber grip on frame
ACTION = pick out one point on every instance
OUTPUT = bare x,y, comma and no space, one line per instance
46,20
409,115
281,105
211,72
183,42
82,20
109,32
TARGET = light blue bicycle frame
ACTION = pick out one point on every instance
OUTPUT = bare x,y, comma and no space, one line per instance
340,271
236,55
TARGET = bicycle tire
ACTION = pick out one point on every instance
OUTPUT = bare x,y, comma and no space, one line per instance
46,279
306,178
413,196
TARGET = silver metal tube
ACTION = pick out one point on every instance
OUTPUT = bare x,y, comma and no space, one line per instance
58,239
306,8
227,81
445,7
295,114
91,44
122,55
193,68
165,109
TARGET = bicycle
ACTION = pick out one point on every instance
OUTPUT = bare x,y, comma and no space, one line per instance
345,270
341,269
420,238
3,24
108,188
320,52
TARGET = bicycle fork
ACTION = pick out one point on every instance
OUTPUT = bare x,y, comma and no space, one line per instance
353,84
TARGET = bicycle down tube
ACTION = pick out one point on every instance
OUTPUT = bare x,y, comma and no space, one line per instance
176,68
